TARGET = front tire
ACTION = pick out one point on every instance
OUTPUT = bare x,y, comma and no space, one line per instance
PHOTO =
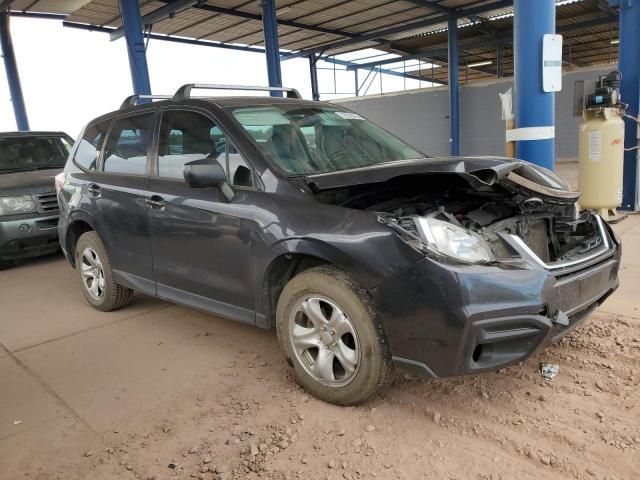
96,276
329,329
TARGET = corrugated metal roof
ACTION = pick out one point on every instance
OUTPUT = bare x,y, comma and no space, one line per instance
588,26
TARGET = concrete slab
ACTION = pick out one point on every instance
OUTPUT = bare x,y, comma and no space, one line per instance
46,296
626,300
36,430
631,224
106,374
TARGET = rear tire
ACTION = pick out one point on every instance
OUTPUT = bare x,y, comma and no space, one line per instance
96,276
329,330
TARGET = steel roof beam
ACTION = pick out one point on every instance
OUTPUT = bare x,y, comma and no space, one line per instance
158,15
166,38
433,5
258,18
379,34
314,12
355,13
504,39
346,63
417,55
40,15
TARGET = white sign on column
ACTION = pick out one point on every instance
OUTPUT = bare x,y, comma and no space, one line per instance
551,63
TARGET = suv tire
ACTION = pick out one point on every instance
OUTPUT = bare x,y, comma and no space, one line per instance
96,276
329,330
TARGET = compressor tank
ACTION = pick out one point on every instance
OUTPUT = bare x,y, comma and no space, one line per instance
601,159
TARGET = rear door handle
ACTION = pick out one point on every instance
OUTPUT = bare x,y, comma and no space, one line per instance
94,189
156,202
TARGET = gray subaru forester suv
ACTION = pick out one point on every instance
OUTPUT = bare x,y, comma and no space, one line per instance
361,252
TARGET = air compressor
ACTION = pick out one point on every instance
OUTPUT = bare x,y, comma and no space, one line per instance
601,151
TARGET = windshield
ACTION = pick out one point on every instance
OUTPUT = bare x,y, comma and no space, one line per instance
305,140
32,153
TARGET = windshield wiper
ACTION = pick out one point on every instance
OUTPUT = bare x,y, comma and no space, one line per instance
48,167
31,169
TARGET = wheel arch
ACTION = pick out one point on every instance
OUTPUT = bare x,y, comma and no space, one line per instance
296,256
74,231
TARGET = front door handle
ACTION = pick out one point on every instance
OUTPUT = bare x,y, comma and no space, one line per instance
94,189
156,202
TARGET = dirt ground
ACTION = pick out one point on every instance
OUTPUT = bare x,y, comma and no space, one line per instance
160,391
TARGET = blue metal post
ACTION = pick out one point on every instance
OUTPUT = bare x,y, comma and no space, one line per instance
315,92
13,78
534,107
130,10
271,44
454,108
629,64
355,75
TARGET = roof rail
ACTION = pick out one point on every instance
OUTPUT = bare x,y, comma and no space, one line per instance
185,91
132,99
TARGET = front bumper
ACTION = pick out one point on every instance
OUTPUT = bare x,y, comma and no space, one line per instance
27,236
445,321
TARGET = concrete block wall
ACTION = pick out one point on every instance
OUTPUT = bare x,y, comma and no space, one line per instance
421,117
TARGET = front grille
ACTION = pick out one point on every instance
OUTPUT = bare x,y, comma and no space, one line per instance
47,202
593,247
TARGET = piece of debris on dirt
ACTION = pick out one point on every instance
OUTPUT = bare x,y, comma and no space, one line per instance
549,370
17,422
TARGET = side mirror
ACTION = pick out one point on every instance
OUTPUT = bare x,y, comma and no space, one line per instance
205,172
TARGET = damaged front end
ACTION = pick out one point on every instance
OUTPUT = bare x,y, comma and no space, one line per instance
510,263
499,214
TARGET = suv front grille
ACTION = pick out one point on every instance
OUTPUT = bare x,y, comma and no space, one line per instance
47,202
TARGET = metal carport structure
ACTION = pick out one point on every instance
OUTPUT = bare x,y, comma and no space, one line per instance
466,33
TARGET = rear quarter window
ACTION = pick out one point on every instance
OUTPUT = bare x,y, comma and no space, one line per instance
89,147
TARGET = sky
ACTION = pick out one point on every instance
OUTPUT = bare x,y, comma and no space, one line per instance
71,76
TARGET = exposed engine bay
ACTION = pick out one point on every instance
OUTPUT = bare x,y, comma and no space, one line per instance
419,206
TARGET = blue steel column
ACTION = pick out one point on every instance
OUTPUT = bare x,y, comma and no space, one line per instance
454,107
355,76
534,107
135,47
629,64
13,78
315,92
271,44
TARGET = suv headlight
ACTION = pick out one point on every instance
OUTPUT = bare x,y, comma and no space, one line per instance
16,205
447,239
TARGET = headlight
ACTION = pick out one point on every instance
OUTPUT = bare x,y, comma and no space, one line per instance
452,241
16,205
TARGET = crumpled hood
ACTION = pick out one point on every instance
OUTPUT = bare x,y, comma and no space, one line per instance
478,171
22,183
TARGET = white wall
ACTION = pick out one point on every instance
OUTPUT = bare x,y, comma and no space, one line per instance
421,117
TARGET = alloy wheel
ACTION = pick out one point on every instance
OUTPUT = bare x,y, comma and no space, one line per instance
92,273
324,341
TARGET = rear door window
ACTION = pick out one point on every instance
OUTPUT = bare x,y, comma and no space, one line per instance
128,145
89,147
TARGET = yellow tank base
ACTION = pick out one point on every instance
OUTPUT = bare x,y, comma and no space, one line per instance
611,215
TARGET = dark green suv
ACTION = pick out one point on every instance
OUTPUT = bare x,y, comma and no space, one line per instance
29,162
